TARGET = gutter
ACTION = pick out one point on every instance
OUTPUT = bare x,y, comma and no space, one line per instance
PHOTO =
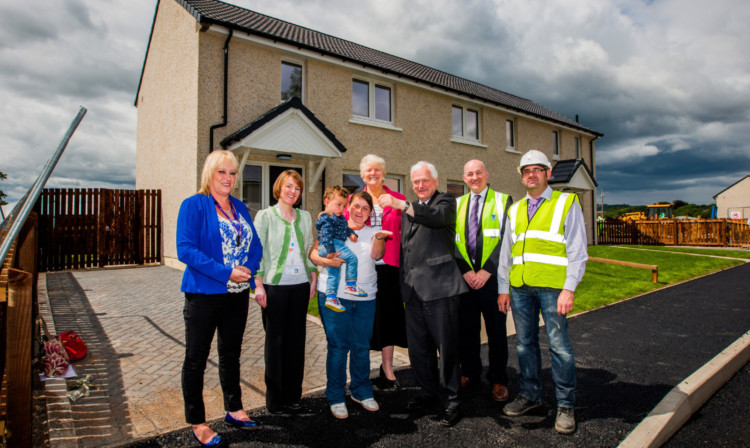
226,82
593,212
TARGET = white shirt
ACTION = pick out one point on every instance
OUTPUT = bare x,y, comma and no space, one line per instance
367,278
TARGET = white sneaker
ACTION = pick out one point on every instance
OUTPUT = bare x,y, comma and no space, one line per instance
339,411
368,403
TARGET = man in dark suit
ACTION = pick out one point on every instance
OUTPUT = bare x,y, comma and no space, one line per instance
430,285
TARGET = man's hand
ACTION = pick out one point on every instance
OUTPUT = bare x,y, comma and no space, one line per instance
503,303
470,278
481,278
565,302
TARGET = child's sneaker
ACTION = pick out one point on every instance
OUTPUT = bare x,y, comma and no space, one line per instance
354,290
333,304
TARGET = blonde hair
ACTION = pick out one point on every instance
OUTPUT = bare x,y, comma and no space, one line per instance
335,190
371,159
213,162
281,180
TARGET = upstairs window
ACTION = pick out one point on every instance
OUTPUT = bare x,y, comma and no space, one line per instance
555,145
291,81
371,101
465,123
510,135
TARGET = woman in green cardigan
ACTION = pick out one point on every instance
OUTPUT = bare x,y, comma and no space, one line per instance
284,284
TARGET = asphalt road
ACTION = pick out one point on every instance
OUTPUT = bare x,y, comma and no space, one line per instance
628,356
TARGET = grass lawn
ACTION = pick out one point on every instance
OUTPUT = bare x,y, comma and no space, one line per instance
607,283
736,253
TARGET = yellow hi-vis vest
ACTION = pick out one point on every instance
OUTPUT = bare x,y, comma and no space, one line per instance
539,247
492,223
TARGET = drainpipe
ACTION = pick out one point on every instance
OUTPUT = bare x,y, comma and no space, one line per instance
226,79
593,193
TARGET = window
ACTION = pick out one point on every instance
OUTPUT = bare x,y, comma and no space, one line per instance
578,147
555,145
353,182
291,81
510,135
370,100
257,185
456,188
465,123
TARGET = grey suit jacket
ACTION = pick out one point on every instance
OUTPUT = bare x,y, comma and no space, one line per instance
428,250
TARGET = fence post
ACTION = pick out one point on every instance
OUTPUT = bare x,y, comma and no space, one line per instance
18,352
676,232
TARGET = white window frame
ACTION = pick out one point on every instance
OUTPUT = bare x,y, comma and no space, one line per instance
462,138
397,177
556,145
514,136
370,120
286,60
266,187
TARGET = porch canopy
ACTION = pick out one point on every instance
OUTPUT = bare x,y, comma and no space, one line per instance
289,130
572,175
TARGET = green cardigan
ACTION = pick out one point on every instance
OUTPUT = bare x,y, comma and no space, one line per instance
275,233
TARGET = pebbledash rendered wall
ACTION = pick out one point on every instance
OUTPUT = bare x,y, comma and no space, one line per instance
736,199
181,97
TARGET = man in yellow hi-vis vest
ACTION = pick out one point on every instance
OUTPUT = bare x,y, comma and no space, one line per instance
480,222
542,260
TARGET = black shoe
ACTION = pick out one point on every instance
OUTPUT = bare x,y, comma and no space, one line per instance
421,403
241,424
450,417
520,406
384,383
294,406
274,410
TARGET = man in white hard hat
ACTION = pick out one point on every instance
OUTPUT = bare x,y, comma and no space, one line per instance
480,224
542,261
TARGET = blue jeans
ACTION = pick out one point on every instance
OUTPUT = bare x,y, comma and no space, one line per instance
348,333
526,302
332,284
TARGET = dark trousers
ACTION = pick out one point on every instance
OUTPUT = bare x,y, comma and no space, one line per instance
472,306
285,322
432,327
204,315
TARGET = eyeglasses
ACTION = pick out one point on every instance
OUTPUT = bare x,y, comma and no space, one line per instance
528,171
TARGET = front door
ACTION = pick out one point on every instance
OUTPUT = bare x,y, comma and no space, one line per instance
257,184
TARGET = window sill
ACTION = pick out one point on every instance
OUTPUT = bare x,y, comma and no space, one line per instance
374,123
467,141
512,150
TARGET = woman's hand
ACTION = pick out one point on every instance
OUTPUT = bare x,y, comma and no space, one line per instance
386,200
334,262
383,234
260,292
240,274
313,284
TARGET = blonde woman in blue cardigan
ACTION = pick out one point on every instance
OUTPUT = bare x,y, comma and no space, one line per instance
284,284
221,250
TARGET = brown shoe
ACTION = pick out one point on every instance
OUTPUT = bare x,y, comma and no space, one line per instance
499,392
465,382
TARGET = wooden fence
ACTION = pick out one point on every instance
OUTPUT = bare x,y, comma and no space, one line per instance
85,228
692,232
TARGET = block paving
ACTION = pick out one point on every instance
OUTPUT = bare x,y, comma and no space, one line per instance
131,320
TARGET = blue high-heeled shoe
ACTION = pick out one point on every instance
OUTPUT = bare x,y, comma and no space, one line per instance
241,424
216,441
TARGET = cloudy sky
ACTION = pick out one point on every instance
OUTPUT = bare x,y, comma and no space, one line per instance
666,81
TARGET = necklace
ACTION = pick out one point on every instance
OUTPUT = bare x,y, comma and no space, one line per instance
287,217
234,221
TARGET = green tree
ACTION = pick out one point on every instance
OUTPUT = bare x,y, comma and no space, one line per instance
3,176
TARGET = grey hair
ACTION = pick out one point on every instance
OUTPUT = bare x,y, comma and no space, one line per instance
371,159
421,165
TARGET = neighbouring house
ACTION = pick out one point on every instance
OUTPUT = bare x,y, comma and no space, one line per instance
280,96
734,201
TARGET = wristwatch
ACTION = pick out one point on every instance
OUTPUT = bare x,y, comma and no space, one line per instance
408,204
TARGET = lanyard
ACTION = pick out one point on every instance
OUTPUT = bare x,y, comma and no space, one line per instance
235,222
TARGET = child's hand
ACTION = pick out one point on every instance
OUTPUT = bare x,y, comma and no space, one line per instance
330,256
353,237
326,212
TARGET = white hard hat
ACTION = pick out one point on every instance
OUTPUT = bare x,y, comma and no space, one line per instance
534,157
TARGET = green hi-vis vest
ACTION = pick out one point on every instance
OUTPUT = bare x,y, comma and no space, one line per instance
538,250
492,224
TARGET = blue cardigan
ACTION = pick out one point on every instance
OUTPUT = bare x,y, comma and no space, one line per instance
199,246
